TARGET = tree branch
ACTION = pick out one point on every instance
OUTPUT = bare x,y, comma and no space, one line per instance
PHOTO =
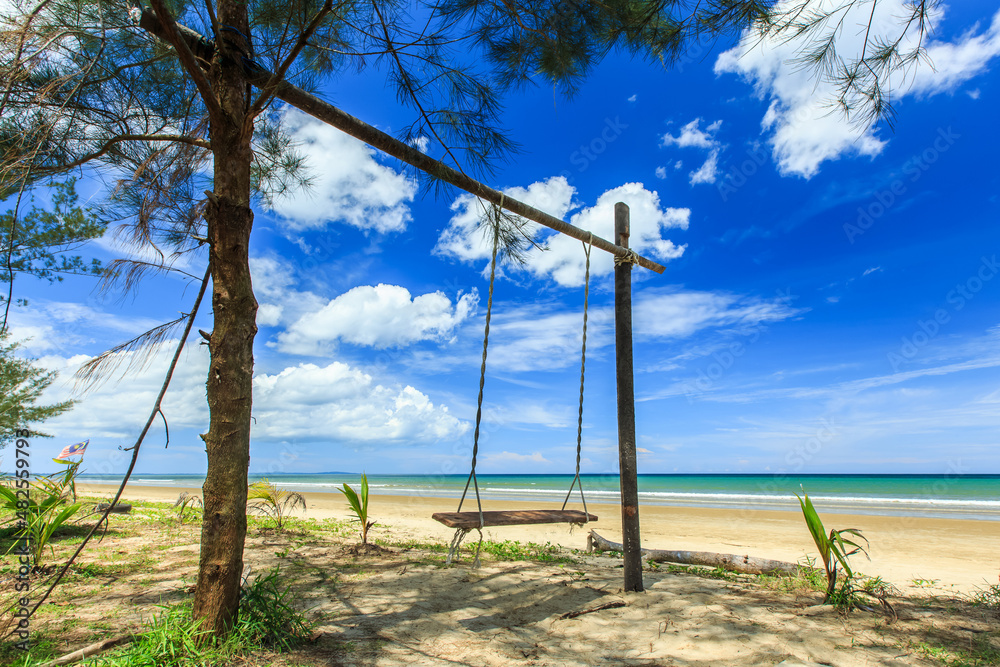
135,447
187,58
110,143
268,89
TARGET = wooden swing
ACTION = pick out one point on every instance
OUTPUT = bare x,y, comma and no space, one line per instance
463,522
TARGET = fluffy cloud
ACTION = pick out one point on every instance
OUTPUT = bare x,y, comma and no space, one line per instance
381,316
278,301
348,184
957,62
692,136
707,172
464,240
333,403
802,130
561,257
340,403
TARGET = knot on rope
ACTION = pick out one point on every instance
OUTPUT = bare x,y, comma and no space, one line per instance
456,546
631,257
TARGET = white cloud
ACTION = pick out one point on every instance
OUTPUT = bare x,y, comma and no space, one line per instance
633,98
421,143
339,403
278,301
335,403
463,239
117,409
563,258
381,316
692,136
349,185
537,338
661,172
956,62
873,269
974,94
47,327
707,172
803,132
661,313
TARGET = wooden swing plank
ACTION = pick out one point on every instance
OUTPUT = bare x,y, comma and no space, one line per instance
469,520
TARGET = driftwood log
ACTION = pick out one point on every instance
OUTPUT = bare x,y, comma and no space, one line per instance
119,508
88,651
731,562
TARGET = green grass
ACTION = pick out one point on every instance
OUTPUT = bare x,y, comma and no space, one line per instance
981,653
988,597
512,550
43,648
267,621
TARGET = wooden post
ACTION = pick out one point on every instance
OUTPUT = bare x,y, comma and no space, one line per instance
626,409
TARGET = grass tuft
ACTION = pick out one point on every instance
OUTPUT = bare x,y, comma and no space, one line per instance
988,598
267,621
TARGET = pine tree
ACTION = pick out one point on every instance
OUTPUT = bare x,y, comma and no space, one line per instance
39,243
21,385
88,83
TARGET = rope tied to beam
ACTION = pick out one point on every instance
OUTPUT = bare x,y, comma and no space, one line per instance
631,258
456,542
587,245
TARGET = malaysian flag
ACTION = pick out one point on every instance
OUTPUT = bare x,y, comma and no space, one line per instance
72,450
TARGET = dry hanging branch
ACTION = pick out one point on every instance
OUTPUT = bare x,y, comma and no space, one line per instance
135,448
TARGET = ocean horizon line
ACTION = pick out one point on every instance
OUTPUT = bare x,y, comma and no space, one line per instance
988,475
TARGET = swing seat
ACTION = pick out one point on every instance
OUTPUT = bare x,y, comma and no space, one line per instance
470,520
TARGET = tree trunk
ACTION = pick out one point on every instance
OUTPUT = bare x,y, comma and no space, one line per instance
731,562
230,375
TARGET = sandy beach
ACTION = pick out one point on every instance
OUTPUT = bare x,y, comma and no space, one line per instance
398,603
958,555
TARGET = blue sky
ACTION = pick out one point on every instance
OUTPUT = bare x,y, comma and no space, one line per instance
829,304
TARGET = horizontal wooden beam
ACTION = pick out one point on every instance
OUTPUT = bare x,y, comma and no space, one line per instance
357,128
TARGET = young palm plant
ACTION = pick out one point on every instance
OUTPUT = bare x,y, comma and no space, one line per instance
43,511
833,547
359,505
271,501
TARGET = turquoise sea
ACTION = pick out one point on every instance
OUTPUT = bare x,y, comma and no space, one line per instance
944,496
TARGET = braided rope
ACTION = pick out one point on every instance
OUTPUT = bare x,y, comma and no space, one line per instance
495,214
583,365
